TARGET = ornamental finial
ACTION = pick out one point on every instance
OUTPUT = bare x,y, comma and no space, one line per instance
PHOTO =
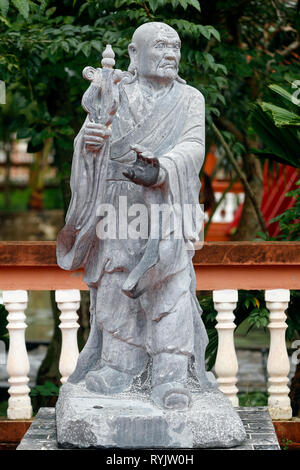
108,55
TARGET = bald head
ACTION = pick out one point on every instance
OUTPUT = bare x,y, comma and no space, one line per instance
155,52
147,31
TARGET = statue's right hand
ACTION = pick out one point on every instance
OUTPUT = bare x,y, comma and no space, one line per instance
95,135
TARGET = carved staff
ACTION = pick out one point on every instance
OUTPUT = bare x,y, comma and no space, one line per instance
101,102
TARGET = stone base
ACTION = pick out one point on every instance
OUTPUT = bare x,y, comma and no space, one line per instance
19,412
280,413
256,420
131,420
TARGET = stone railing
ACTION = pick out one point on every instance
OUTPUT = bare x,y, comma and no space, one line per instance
221,267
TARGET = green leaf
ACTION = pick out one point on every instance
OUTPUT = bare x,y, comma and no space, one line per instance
284,93
208,59
96,45
65,46
204,31
195,4
50,11
214,33
22,6
153,4
281,116
4,6
86,28
281,144
85,47
82,8
4,20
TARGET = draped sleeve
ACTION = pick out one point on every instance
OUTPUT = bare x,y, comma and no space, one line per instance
183,164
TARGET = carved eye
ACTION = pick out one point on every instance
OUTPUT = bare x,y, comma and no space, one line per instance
160,45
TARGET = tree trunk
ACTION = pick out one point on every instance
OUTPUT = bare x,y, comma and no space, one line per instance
249,225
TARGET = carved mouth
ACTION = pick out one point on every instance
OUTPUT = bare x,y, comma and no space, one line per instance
168,65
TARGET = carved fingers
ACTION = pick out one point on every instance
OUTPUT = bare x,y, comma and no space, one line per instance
95,135
144,155
145,169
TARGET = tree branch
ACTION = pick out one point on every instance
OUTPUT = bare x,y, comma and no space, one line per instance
146,10
243,179
294,45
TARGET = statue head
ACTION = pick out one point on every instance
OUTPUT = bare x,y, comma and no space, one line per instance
155,52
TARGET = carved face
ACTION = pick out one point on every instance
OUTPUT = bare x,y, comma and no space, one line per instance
156,53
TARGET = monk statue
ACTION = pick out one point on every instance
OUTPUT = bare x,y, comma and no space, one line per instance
140,380
147,147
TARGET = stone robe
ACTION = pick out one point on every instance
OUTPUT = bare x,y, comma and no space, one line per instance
166,317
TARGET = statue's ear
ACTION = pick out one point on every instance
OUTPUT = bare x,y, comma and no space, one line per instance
132,54
132,51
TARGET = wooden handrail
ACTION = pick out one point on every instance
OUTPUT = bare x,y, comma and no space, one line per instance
40,253
218,265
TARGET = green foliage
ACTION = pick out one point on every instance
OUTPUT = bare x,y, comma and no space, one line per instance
251,307
18,200
289,220
278,127
285,443
253,399
22,6
48,389
3,408
231,51
3,324
293,317
209,318
259,316
42,56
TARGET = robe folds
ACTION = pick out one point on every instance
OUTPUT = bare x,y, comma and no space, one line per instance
172,127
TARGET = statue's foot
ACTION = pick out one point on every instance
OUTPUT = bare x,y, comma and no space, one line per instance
108,381
172,396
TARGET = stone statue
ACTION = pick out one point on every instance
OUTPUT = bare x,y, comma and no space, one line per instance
142,142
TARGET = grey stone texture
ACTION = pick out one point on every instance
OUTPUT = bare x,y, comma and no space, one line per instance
42,433
143,290
131,420
143,141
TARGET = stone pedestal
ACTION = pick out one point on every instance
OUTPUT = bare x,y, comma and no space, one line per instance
260,434
130,420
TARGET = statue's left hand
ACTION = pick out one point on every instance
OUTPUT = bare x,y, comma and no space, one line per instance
145,169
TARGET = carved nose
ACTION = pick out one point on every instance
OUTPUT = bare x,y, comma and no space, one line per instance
170,55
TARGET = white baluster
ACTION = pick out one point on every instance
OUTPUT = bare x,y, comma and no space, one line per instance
226,366
230,206
278,365
68,302
19,404
218,217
